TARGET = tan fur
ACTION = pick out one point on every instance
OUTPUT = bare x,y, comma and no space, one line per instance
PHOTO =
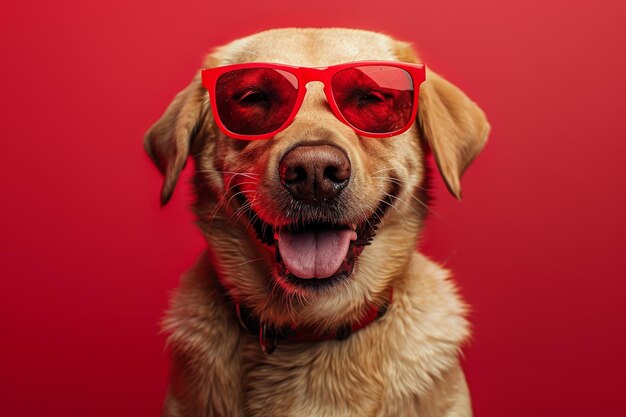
405,364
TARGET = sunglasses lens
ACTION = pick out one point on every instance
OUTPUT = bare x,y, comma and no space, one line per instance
374,98
255,101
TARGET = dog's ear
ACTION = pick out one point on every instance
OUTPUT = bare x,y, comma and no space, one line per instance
168,141
455,128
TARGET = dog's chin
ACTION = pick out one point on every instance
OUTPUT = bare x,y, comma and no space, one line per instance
296,270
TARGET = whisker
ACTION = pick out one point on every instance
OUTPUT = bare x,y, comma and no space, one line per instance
413,209
413,197
381,170
249,261
222,201
250,175
398,181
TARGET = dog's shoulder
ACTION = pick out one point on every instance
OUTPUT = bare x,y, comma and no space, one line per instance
198,312
205,343
429,302
424,330
426,325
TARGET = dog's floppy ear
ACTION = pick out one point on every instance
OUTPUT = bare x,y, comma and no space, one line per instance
455,128
168,141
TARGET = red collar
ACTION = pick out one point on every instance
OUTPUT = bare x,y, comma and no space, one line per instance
270,336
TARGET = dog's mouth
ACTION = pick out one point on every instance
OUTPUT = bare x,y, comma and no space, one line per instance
316,254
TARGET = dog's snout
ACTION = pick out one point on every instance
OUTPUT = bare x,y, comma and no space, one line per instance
316,172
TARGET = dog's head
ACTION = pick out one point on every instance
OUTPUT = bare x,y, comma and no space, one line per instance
317,221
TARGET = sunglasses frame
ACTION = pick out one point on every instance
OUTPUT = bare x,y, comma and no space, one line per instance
305,75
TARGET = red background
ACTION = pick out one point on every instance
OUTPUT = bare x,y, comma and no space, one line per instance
88,259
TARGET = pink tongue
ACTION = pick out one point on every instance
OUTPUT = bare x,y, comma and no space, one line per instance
314,253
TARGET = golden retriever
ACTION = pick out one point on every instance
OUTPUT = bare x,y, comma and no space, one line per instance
235,314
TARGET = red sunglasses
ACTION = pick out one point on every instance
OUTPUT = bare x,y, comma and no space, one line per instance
257,100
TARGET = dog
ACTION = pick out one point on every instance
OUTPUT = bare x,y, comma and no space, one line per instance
311,298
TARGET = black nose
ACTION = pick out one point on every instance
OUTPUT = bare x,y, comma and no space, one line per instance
313,173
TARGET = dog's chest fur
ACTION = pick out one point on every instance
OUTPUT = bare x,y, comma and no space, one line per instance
365,375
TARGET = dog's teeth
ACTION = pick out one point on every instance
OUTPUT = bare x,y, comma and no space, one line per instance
353,226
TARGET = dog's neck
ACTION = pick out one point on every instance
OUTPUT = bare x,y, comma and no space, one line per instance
270,336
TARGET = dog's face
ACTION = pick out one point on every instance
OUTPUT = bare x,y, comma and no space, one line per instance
313,223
